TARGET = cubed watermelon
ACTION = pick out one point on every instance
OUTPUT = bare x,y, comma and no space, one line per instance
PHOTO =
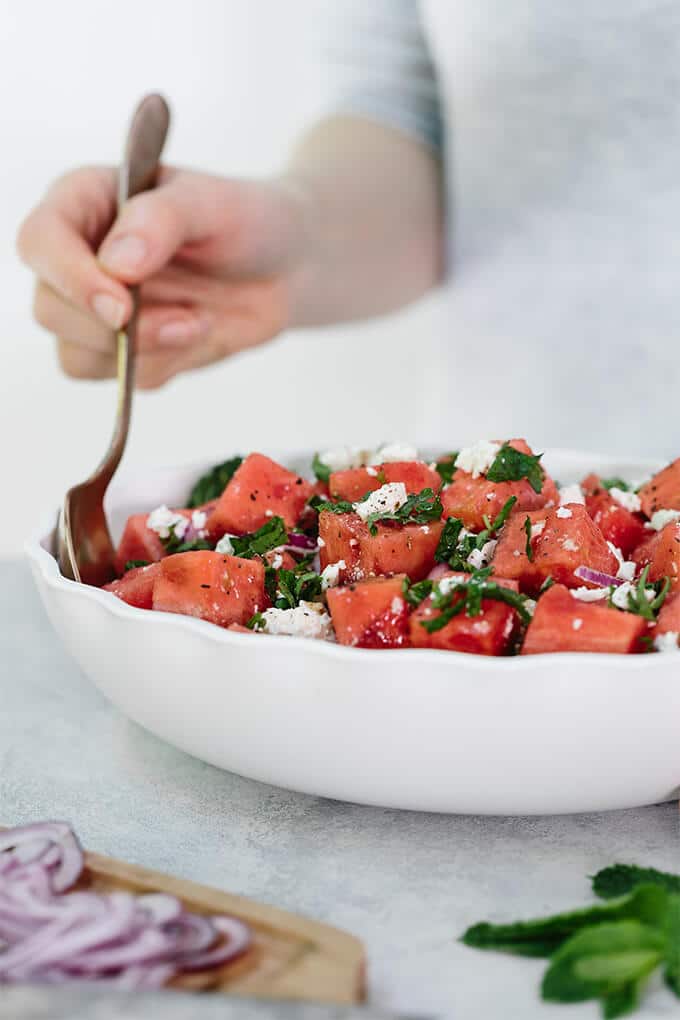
394,549
472,499
214,587
669,617
259,489
619,526
136,586
662,554
562,623
354,483
371,613
139,542
571,539
662,492
491,632
511,559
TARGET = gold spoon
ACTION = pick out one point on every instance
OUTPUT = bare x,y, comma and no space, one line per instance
84,548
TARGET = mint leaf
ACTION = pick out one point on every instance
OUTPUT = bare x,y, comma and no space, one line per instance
212,484
271,535
420,508
467,595
447,547
446,467
548,583
672,971
173,544
620,879
294,588
255,622
133,564
322,505
638,602
416,593
511,465
321,470
624,1001
602,960
541,937
455,551
615,483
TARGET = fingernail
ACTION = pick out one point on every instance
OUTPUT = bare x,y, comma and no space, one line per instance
178,332
123,254
109,310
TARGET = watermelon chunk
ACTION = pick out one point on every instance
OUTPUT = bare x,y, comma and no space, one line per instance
669,616
394,549
136,586
562,623
259,489
662,553
214,587
354,483
568,542
510,558
491,632
662,492
139,542
370,614
619,526
472,499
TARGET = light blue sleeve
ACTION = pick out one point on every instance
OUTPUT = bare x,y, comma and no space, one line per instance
377,64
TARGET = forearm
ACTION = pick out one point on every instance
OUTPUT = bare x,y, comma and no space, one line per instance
373,221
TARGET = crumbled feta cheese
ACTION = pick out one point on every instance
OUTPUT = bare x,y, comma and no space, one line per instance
667,642
490,495
397,605
330,575
164,522
564,513
537,529
626,570
343,458
572,494
628,500
447,584
577,623
352,542
390,452
277,561
620,594
385,500
425,529
373,472
224,545
480,558
478,458
269,513
530,606
617,552
570,545
663,517
589,594
309,619
320,542
199,519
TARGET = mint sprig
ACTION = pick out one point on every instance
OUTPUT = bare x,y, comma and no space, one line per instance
270,536
511,465
212,484
467,595
321,470
456,551
446,467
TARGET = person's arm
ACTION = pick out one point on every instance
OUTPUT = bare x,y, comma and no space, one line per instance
374,220
352,229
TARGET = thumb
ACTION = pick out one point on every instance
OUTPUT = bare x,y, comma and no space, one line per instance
152,226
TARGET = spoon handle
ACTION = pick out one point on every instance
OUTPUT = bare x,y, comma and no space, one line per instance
138,172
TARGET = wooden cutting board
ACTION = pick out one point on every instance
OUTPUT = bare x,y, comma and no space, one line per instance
290,958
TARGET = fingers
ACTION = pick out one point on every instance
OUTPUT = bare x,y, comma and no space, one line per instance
55,241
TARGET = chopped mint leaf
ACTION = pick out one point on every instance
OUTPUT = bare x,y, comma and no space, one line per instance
467,595
672,972
619,879
511,465
527,531
212,484
270,536
322,505
455,551
420,508
294,588
447,547
639,603
416,593
548,583
446,467
320,469
255,622
173,544
615,483
133,564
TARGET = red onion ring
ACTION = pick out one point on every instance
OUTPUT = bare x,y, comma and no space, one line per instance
301,542
597,578
131,941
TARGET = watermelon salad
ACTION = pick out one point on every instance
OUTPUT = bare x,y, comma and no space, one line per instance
480,551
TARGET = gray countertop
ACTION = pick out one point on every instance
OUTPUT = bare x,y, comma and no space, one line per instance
405,883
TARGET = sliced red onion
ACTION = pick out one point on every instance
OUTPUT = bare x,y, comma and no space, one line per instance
304,542
133,942
597,578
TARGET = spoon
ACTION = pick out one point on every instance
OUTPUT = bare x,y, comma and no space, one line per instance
84,548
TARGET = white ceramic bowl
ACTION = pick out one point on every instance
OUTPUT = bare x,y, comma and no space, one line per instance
426,730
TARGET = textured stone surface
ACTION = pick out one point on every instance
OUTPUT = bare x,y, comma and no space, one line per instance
406,883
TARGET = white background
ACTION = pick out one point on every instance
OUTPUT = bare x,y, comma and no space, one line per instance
242,81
